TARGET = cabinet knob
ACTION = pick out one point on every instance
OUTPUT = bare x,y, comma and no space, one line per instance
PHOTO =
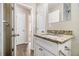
67,48
40,49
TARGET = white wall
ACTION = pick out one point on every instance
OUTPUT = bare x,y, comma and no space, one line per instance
70,25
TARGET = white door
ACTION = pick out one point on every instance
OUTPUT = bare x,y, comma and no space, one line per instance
20,26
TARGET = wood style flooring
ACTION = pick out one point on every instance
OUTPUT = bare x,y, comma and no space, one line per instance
22,50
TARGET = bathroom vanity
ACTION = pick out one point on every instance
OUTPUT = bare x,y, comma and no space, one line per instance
48,45
52,45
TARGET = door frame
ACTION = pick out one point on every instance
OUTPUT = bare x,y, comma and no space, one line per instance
13,25
2,33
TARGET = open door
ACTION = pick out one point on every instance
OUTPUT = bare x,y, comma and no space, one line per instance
20,30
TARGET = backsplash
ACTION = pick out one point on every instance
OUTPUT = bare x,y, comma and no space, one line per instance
66,32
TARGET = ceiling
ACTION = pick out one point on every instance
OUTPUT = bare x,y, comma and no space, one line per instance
53,5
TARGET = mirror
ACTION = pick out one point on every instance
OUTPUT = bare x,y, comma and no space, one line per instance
54,16
58,12
66,11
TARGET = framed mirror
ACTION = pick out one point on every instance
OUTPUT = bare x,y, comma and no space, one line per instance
58,12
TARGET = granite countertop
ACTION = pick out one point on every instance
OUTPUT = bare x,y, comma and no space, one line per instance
55,38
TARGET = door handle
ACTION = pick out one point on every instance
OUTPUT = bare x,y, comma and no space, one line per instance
14,35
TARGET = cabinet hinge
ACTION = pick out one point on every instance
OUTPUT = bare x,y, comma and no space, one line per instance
12,49
12,8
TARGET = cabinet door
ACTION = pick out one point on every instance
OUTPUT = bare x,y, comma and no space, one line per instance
65,48
40,51
50,46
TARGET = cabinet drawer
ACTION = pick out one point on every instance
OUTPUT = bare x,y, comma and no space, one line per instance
50,46
38,50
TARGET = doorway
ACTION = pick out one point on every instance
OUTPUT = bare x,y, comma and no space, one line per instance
21,30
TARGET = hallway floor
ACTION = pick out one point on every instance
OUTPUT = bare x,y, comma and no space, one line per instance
22,50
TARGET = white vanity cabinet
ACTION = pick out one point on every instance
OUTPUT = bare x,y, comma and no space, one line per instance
41,51
65,48
44,47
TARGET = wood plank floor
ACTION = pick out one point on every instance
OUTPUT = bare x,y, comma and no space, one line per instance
21,50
